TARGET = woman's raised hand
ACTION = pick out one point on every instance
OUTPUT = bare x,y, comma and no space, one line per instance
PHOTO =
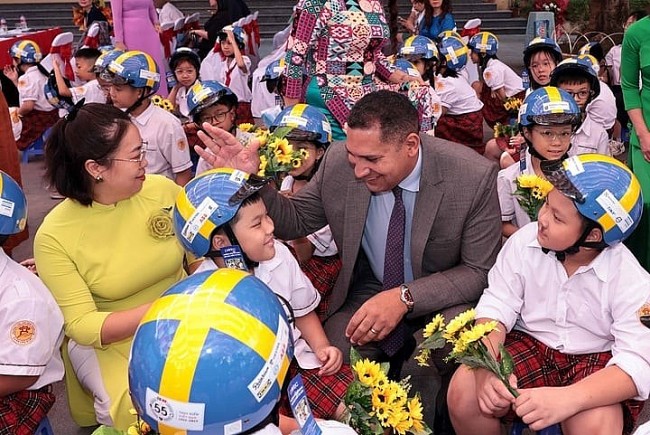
226,151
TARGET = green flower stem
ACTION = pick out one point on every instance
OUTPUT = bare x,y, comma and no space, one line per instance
492,365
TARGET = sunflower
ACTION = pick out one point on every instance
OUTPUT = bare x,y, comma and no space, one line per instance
434,325
415,408
478,332
458,323
380,406
285,146
527,180
296,163
368,372
246,127
399,420
423,357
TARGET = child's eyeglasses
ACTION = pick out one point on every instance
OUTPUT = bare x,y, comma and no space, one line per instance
216,118
581,94
550,136
143,151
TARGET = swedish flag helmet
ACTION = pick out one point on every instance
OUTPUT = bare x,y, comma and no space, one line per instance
135,68
407,67
539,44
206,93
210,355
603,189
305,119
14,205
549,106
274,70
577,66
484,43
419,46
447,33
207,202
26,51
454,51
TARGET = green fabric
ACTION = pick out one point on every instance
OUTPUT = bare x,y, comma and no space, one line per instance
313,98
635,59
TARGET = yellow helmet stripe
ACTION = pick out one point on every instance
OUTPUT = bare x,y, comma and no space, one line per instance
484,38
298,110
2,182
151,66
186,209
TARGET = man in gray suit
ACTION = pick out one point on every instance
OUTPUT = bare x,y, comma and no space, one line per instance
451,226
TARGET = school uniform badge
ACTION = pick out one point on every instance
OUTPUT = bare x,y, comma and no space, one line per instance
644,314
23,332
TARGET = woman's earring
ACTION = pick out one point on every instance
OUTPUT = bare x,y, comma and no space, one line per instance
99,179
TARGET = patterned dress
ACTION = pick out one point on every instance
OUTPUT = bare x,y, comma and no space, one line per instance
338,43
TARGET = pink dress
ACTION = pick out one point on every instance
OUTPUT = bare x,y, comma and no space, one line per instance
133,23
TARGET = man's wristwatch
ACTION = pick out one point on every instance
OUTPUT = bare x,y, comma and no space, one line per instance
406,297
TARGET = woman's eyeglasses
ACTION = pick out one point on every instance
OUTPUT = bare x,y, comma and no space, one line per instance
143,151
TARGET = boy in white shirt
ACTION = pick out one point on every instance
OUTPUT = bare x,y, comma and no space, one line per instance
220,216
85,59
134,79
32,326
573,307
577,77
30,77
228,65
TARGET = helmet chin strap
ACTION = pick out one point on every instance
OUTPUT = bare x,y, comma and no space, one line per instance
139,101
581,242
233,241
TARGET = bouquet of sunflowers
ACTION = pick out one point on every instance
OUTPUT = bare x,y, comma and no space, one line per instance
163,103
139,427
375,404
277,155
531,192
468,345
507,130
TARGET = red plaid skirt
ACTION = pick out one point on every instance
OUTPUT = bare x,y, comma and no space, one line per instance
244,113
537,365
324,393
493,110
34,125
322,272
22,412
466,129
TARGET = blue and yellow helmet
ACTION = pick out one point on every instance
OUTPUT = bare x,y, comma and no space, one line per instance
134,68
454,51
484,43
26,51
418,46
52,95
14,217
539,44
549,106
603,189
274,70
592,48
206,93
305,119
407,67
241,38
210,355
448,33
578,67
108,55
209,201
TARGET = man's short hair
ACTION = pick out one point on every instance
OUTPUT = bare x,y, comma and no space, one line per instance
392,112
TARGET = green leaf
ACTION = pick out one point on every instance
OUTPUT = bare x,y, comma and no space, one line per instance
507,364
385,367
355,356
281,132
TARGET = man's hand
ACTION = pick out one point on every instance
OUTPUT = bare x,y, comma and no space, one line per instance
494,399
542,407
376,318
227,151
332,359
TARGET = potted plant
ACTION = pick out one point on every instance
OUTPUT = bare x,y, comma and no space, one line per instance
516,8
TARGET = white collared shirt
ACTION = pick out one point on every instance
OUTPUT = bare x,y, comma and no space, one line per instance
91,91
457,95
181,101
594,310
498,75
31,87
167,150
31,325
613,60
602,109
511,211
283,275
590,137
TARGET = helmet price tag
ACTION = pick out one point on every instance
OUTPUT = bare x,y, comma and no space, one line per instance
268,375
615,210
195,222
6,207
170,412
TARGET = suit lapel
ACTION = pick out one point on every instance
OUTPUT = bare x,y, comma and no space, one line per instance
427,203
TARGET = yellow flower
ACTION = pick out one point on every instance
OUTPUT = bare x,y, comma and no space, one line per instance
246,127
423,357
160,225
395,393
458,323
304,153
156,99
544,186
460,346
415,408
263,163
284,145
399,420
296,163
263,139
380,406
527,180
477,332
433,326
283,159
368,372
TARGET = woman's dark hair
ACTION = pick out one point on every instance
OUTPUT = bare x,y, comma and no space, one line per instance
639,13
92,132
428,11
392,112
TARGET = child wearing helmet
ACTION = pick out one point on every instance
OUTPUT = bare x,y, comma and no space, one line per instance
423,53
185,65
227,64
267,96
209,101
595,49
573,309
134,79
30,77
497,80
578,78
30,360
547,119
219,215
109,54
541,56
317,253
462,116
91,90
